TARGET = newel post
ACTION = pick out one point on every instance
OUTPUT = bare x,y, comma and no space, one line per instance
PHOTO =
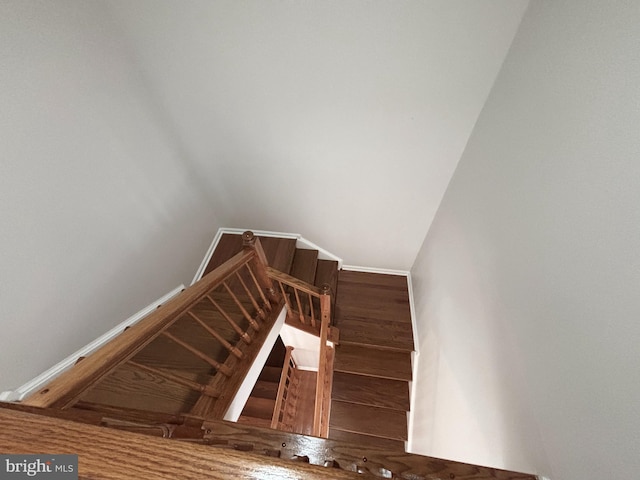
252,243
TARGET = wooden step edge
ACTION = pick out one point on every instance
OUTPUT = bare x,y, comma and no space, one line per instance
347,430
355,371
365,404
386,348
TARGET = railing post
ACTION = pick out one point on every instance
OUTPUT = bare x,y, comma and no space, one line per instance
320,414
252,243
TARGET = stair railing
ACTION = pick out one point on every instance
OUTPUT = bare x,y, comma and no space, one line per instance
287,379
243,274
325,369
309,309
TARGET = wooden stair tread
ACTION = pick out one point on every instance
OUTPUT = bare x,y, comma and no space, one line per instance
366,440
279,251
373,391
270,374
374,421
228,246
373,362
327,272
128,387
304,265
380,334
256,422
388,282
259,407
264,389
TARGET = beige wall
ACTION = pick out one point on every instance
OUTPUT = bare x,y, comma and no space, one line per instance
527,286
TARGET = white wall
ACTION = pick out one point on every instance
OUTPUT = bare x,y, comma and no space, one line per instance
342,121
528,284
99,214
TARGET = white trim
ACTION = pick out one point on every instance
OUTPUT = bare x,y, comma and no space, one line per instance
307,369
383,271
207,257
412,402
45,377
412,309
323,254
300,240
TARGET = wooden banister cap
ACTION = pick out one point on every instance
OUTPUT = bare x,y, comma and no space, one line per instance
326,289
248,238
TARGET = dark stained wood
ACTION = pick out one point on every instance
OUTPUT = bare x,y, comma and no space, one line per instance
327,272
377,333
279,252
303,399
373,362
365,441
378,392
375,421
270,374
304,265
259,407
227,247
264,389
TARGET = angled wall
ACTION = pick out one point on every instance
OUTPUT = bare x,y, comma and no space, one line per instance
325,118
100,215
527,285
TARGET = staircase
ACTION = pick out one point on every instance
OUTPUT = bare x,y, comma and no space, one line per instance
372,368
258,410
372,365
174,374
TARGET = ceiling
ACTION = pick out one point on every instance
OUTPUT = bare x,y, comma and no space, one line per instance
342,121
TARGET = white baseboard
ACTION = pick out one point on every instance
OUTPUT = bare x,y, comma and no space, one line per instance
45,377
412,401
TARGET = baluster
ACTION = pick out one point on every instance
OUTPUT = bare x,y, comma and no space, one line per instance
300,312
251,321
266,302
244,335
260,311
313,316
282,389
185,382
217,336
252,243
286,297
218,366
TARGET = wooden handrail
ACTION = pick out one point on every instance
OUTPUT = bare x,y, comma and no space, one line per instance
236,451
63,391
294,282
282,387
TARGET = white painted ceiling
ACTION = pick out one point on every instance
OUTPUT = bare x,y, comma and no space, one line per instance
343,121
